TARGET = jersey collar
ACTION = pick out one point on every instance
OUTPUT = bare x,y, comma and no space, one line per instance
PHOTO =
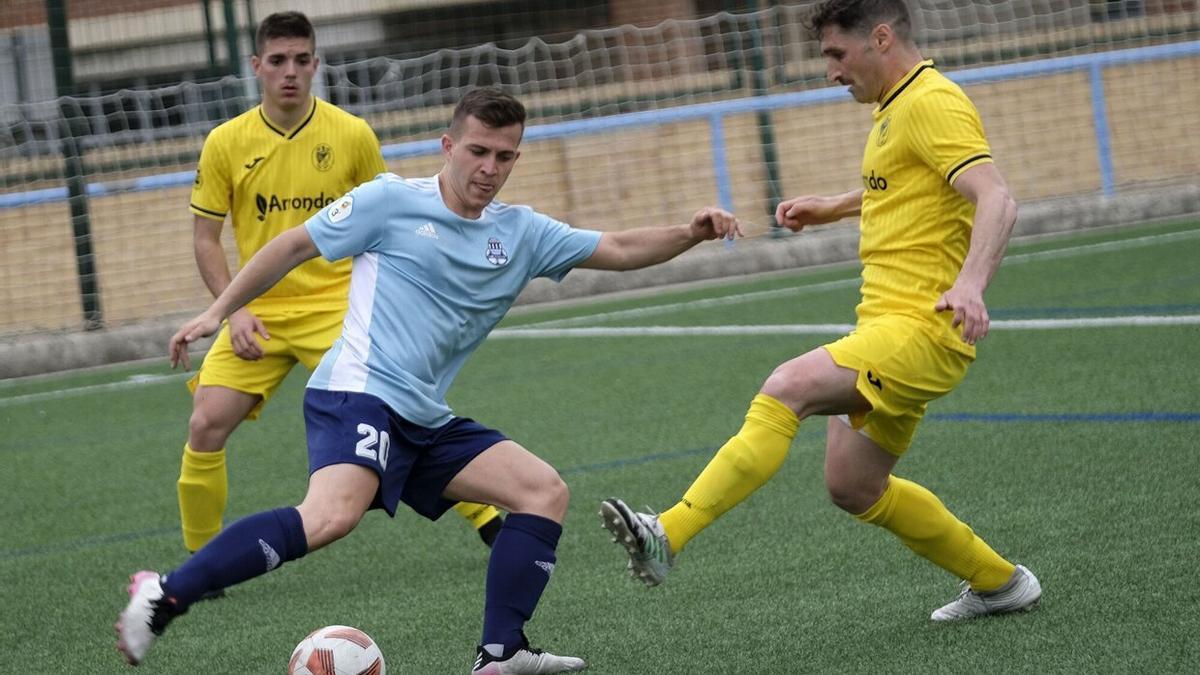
908,79
312,111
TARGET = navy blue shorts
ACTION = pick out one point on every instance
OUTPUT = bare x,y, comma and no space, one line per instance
414,463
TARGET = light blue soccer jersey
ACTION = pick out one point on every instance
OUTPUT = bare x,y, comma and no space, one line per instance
428,286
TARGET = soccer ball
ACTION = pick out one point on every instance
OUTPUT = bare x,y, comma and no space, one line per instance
337,650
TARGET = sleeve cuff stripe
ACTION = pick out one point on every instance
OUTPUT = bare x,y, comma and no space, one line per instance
215,214
964,164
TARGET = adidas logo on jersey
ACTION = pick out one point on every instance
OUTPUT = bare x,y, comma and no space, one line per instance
427,230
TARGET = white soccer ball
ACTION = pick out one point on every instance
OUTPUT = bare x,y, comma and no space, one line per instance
337,650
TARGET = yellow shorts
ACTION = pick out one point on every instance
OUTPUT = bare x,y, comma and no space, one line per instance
901,368
296,336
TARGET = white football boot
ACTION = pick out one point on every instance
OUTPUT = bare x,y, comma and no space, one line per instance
1020,594
525,661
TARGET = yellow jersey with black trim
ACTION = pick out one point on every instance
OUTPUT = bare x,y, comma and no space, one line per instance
269,180
916,228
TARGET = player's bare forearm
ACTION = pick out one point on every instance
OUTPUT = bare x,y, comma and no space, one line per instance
799,212
643,247
995,215
272,262
646,246
849,203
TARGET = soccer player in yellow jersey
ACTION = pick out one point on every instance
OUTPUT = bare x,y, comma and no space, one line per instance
270,169
935,217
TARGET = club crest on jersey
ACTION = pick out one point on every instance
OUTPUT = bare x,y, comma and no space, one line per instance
883,131
496,253
322,157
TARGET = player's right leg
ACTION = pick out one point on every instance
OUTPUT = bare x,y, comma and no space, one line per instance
338,496
343,484
809,384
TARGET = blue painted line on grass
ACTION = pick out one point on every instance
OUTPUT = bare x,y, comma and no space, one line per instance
634,461
675,454
86,542
811,430
1067,417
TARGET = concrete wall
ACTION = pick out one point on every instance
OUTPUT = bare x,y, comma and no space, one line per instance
30,355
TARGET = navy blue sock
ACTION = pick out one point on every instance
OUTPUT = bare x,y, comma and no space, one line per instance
246,549
520,567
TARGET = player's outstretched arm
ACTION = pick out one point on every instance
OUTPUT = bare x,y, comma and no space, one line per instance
645,246
797,212
264,270
995,215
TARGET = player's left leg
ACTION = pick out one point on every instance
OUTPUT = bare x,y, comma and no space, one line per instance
858,477
901,367
859,480
523,556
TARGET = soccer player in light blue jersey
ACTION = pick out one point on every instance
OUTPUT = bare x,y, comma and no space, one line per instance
436,263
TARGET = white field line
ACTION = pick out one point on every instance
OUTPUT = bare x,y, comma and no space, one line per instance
833,328
664,331
1087,249
656,310
671,331
134,382
1137,321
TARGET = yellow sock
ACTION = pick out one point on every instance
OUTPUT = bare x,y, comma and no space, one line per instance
203,488
477,515
926,526
741,466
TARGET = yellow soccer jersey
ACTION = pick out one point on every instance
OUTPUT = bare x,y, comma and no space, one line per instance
916,228
270,180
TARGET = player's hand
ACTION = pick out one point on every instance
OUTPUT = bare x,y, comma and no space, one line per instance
201,326
796,213
967,304
711,222
243,326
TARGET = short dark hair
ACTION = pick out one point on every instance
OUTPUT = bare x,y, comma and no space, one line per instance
489,105
860,17
283,25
